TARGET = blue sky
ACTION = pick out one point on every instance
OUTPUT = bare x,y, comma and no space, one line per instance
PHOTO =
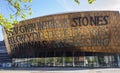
47,7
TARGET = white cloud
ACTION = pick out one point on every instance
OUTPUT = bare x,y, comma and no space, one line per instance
69,5
107,4
66,4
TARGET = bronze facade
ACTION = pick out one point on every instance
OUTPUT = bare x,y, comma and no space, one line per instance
96,32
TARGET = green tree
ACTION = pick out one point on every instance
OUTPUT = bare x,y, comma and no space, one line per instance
20,8
89,1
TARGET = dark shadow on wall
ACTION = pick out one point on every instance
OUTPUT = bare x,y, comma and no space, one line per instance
49,49
39,49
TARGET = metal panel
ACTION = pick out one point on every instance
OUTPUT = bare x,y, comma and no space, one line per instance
96,31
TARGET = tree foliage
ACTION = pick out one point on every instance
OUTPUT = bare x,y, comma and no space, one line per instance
89,1
19,8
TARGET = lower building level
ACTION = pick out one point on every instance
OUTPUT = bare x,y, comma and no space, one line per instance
69,59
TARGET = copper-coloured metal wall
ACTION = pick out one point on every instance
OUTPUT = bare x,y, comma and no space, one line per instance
95,31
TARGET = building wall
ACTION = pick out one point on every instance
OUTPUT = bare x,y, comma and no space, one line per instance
5,60
96,31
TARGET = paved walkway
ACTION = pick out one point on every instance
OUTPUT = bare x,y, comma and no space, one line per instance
61,70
